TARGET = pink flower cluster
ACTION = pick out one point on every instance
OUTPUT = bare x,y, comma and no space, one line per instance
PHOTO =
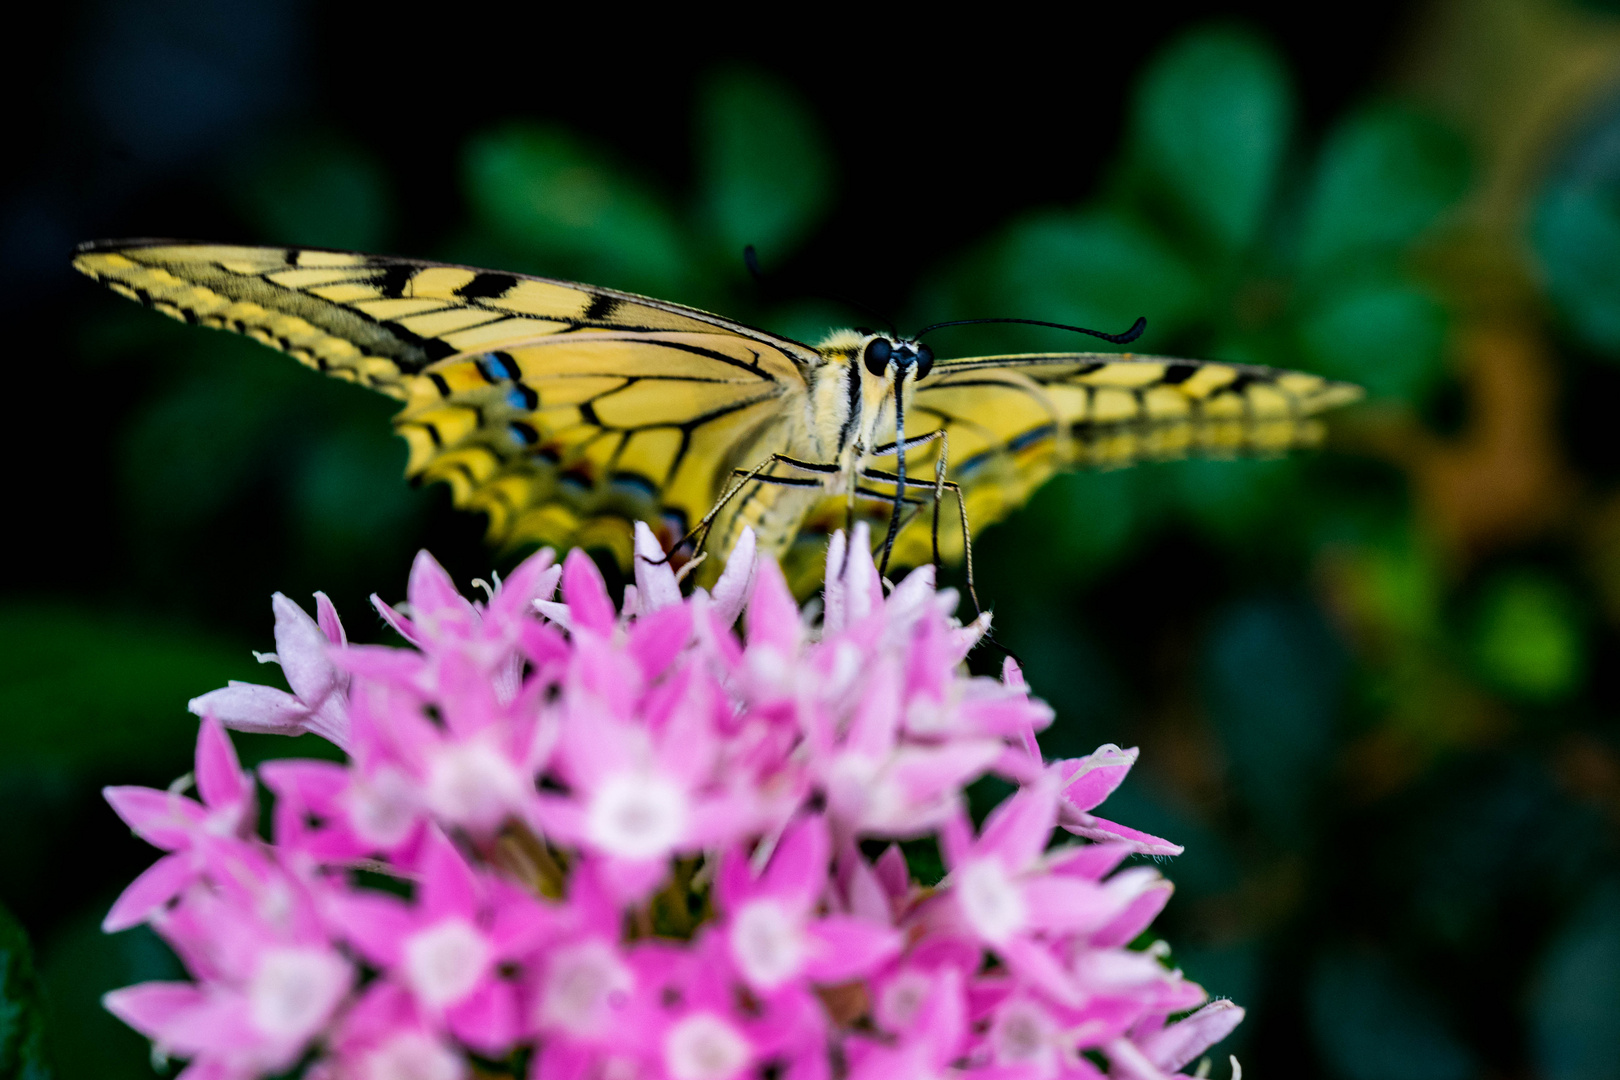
579,843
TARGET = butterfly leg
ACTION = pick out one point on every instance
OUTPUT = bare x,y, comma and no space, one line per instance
701,529
961,508
939,474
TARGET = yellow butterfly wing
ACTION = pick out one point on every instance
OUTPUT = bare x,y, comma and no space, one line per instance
1013,421
563,411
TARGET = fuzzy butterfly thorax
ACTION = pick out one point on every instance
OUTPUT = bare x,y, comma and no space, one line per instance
565,412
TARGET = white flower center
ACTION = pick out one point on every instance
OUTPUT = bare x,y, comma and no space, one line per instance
990,900
473,784
413,1056
382,807
446,961
901,1000
637,816
704,1047
1021,1036
583,984
768,943
294,990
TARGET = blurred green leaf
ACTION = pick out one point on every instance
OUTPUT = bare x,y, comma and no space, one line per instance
542,190
1575,997
1576,233
1372,1023
318,190
764,170
1100,269
1386,336
1083,520
1385,175
1230,499
1527,638
194,449
1272,676
1211,124
22,1022
92,690
350,499
78,966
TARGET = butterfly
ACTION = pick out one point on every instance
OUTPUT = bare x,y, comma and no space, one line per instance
565,412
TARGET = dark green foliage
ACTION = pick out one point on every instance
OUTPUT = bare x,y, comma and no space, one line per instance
22,1021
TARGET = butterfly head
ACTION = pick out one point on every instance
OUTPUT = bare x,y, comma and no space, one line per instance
889,358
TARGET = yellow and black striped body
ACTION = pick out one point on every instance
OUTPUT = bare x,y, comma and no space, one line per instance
564,412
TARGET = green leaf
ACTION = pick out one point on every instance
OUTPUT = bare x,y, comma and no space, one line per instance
78,966
22,1022
1099,269
1576,233
92,690
1527,638
1386,336
318,190
349,498
1384,176
541,190
1211,124
1371,1022
1272,676
1575,995
764,169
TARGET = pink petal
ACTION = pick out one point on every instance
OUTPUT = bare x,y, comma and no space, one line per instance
832,591
849,947
1095,828
542,644
400,667
220,781
487,1019
526,583
152,1006
629,881
1089,780
734,881
893,872
797,872
1089,861
773,616
402,626
326,617
876,724
156,886
658,638
251,707
163,819
434,598
1017,831
736,582
1145,896
863,588
1184,1040
301,648
655,578
1032,961
1067,904
589,607
374,923
1129,1063
448,885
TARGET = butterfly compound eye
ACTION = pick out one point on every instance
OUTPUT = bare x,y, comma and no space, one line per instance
925,361
877,355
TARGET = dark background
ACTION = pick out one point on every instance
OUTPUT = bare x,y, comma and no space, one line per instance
1373,687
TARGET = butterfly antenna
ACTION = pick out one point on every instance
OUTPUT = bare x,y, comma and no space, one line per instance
1118,339
751,260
